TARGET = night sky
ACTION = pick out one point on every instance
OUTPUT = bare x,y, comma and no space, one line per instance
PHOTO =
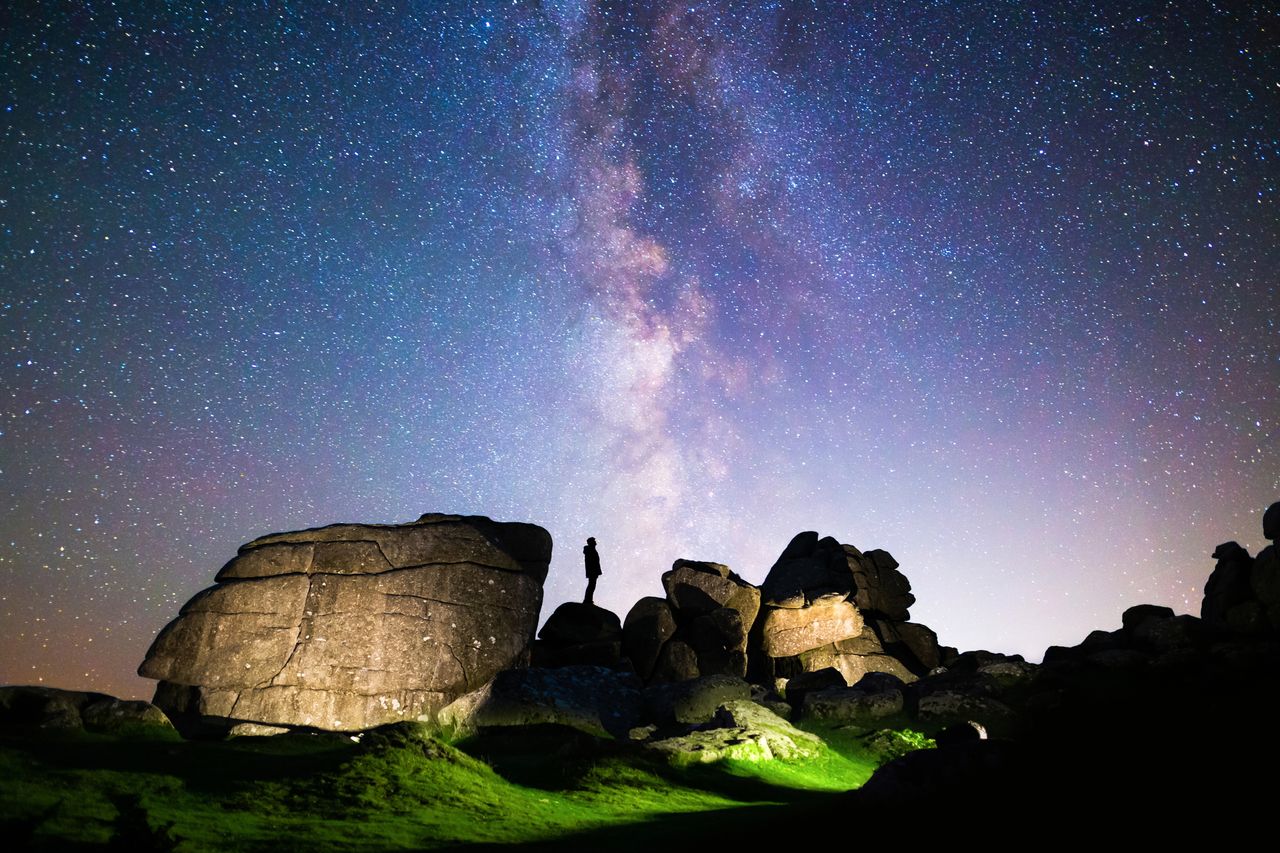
994,286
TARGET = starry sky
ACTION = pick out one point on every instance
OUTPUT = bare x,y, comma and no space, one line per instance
991,285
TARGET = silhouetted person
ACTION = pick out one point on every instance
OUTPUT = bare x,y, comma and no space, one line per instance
592,559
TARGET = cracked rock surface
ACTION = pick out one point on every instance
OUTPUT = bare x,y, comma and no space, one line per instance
352,626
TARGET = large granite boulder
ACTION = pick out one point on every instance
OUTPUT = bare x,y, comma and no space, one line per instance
699,588
352,626
786,631
578,634
827,605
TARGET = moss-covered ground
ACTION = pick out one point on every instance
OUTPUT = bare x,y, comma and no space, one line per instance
397,788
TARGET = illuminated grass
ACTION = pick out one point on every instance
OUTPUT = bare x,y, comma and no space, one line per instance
398,789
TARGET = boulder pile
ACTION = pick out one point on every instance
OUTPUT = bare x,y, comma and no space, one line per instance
825,605
1243,593
700,628
352,626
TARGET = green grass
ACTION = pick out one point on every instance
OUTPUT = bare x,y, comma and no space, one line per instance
400,788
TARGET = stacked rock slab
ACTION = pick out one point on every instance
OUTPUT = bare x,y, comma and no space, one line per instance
351,626
824,604
700,628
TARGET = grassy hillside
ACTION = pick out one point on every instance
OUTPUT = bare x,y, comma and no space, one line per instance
397,788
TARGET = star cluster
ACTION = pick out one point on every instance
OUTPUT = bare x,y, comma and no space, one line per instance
991,285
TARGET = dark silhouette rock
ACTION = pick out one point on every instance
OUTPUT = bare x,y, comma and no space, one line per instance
873,703
1265,580
700,629
953,682
1009,673
573,623
579,634
1228,587
1265,575
648,626
46,708
596,700
972,661
974,772
942,708
351,626
1242,596
117,716
694,701
809,682
1173,632
676,662
882,589
1119,659
719,641
1136,616
52,709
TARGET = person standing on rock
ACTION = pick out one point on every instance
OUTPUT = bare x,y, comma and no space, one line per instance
592,558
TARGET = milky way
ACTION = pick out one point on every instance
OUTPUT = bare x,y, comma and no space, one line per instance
992,286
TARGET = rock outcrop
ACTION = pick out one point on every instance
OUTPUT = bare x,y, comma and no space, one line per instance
740,730
352,626
828,605
700,628
51,709
1243,594
579,634
592,699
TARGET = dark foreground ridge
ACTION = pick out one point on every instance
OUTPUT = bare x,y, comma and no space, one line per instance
809,681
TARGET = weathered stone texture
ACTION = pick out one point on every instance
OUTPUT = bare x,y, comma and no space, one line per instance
352,626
